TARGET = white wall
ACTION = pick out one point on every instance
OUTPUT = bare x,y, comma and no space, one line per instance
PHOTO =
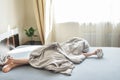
11,13
17,13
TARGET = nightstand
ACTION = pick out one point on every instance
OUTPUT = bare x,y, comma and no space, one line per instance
33,43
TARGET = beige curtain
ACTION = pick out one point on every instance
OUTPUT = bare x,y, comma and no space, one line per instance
39,7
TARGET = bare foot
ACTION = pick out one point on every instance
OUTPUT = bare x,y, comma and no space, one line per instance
8,65
6,68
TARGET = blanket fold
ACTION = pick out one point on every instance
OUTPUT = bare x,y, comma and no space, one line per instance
59,57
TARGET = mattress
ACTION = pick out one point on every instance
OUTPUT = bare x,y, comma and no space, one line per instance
92,68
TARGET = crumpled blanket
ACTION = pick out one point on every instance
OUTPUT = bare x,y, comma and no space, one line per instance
59,57
3,54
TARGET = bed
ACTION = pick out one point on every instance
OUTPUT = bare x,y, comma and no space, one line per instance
107,68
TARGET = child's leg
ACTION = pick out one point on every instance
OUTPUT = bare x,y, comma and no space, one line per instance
12,63
97,52
19,61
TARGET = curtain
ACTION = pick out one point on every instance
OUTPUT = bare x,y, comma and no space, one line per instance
98,21
97,34
49,22
39,7
44,12
98,24
101,34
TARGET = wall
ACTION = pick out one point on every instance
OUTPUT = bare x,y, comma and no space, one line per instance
29,19
16,13
11,13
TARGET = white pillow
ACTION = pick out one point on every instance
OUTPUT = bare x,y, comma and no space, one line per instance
26,48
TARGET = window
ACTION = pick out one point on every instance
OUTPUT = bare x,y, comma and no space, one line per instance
87,11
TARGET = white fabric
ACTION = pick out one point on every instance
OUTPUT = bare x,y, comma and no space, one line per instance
102,28
49,22
22,49
3,54
101,34
86,11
